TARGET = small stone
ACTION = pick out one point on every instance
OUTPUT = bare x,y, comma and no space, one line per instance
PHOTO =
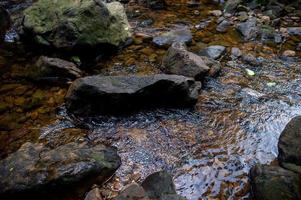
132,192
289,53
223,26
236,52
298,48
196,12
266,19
94,194
214,51
250,72
271,84
216,13
294,30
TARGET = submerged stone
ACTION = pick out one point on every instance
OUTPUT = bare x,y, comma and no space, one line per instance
119,94
35,168
181,34
68,24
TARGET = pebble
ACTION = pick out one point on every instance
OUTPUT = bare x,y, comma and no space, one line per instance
289,53
235,52
266,19
216,13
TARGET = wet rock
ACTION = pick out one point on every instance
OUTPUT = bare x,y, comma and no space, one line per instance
236,52
160,186
248,29
35,168
274,183
120,94
290,142
68,24
180,34
214,52
55,67
4,22
223,26
231,5
94,194
298,48
288,53
179,61
156,4
294,31
132,192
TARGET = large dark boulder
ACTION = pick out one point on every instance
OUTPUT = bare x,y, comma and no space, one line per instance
290,142
179,61
118,94
35,168
4,22
275,183
69,24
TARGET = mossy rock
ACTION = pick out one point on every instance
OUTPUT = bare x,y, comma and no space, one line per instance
70,23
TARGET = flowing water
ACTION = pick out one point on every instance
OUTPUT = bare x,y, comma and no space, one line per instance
209,149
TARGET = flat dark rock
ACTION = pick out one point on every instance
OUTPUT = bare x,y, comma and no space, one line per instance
35,168
119,94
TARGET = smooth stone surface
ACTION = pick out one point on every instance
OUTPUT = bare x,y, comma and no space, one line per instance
68,24
290,142
180,34
179,61
35,168
274,183
214,52
123,94
55,67
248,29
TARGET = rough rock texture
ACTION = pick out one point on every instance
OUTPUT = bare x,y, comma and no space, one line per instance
231,5
248,29
179,61
160,186
290,142
93,194
35,168
214,52
68,24
179,34
223,26
55,67
132,192
4,22
119,94
275,183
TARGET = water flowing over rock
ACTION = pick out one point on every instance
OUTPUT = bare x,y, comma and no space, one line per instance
179,61
68,24
4,22
35,168
117,94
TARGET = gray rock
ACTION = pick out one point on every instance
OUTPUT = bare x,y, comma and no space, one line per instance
236,52
248,29
179,61
231,5
132,192
274,183
5,22
180,34
214,52
119,94
250,60
298,48
290,143
55,67
68,24
94,194
35,168
223,26
156,4
160,186
294,30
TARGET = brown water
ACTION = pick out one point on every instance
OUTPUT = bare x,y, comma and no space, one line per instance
209,150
